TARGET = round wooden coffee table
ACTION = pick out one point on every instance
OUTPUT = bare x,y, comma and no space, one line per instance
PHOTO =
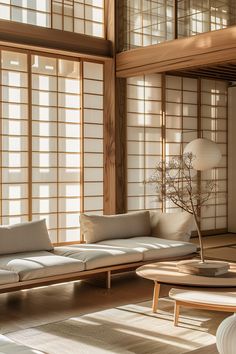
167,273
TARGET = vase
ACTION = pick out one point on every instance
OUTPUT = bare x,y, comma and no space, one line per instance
226,336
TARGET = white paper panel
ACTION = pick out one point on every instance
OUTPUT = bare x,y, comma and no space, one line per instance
69,204
14,159
69,130
173,96
136,92
93,203
173,82
69,190
93,101
45,205
67,235
93,174
93,71
93,86
136,189
135,175
14,61
14,111
135,203
135,148
69,174
69,115
93,160
190,110
151,202
93,116
221,222
44,82
93,145
44,190
14,207
93,189
69,220
93,131
14,191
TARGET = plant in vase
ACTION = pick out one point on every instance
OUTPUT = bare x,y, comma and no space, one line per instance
177,181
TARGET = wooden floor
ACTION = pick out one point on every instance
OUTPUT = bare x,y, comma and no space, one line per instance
30,308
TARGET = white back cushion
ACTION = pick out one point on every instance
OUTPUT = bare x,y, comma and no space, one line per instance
29,236
97,228
171,226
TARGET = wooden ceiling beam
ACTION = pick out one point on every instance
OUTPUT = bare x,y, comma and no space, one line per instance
36,36
209,48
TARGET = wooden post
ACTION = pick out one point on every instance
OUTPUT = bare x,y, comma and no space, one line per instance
114,124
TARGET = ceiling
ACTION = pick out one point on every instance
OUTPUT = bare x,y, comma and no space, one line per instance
226,71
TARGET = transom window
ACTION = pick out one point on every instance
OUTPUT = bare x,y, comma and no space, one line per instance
79,16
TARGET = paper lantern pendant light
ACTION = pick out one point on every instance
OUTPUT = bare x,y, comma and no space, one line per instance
206,153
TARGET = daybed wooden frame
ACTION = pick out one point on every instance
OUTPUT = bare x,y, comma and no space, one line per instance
85,274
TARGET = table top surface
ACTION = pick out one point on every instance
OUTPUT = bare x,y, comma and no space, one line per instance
168,273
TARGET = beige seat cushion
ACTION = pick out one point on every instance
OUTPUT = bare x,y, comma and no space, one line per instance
97,256
35,265
24,237
8,277
171,226
97,228
204,297
7,346
153,247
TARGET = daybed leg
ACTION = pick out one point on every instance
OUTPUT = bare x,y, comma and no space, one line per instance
155,296
176,314
108,280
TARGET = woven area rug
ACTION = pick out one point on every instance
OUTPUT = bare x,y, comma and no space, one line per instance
127,329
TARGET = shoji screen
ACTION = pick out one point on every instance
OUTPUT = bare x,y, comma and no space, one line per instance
56,158
51,137
181,117
14,138
147,22
196,17
214,125
144,145
79,16
93,137
191,108
31,12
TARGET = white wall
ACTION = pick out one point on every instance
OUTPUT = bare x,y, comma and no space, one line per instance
232,160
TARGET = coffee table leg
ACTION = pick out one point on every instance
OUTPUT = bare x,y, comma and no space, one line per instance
155,296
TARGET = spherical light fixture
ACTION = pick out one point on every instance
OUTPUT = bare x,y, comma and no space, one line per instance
206,154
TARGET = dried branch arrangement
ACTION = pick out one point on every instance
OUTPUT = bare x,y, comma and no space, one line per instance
176,181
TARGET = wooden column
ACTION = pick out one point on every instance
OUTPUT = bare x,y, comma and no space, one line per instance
109,139
121,148
175,19
109,115
121,145
114,124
